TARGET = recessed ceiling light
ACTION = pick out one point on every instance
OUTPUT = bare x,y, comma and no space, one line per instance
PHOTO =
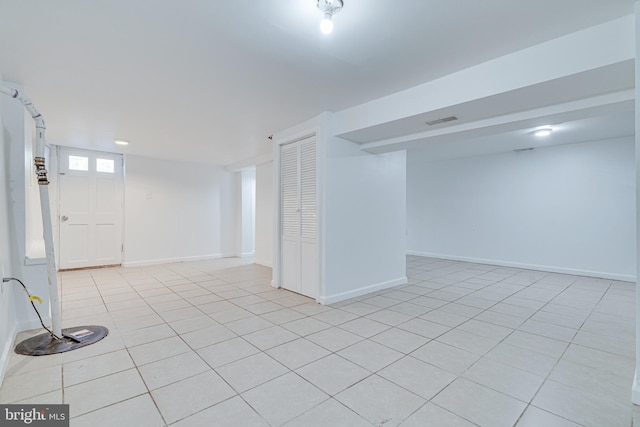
121,142
542,132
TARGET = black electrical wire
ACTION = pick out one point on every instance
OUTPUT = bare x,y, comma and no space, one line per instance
6,279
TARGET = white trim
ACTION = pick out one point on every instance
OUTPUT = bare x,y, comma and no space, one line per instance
263,263
7,351
322,142
35,261
177,259
277,244
123,218
332,299
635,390
31,324
36,252
310,132
237,212
551,269
247,254
59,151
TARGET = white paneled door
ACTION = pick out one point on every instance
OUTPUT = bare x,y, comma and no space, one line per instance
298,216
90,208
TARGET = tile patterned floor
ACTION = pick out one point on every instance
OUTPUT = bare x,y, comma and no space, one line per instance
212,344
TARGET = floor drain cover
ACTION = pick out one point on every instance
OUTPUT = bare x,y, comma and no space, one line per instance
73,338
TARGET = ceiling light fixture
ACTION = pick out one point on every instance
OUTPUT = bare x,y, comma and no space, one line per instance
121,142
328,8
542,132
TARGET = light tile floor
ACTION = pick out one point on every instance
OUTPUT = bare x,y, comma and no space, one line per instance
212,344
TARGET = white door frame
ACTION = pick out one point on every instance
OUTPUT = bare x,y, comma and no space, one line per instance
320,174
58,150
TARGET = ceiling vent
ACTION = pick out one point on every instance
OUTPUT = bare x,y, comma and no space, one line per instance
442,120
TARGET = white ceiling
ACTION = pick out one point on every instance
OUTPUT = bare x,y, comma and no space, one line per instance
209,80
598,82
602,127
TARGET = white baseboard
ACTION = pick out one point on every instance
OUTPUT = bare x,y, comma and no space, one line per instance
7,351
263,262
635,390
27,325
550,269
147,262
332,299
247,254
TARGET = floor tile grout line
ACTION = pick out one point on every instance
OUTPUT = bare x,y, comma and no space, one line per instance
548,376
107,406
198,355
360,314
226,382
461,375
135,366
145,383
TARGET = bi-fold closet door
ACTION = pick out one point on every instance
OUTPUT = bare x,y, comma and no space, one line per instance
299,217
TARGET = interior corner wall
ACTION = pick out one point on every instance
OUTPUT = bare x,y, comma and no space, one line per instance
635,388
16,313
177,211
248,212
365,221
8,317
265,205
566,208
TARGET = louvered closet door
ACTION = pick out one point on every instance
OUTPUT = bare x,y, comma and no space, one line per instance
290,216
298,201
308,219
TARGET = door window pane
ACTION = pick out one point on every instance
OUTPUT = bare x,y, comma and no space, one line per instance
77,163
105,165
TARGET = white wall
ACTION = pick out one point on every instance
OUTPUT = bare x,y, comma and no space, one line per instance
18,128
365,221
8,317
16,313
248,212
320,127
265,205
362,214
635,389
568,208
177,211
